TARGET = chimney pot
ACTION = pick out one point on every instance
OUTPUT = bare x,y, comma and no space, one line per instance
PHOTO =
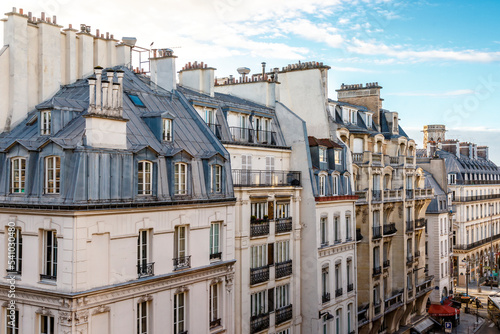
14,10
20,11
97,32
43,16
107,35
54,19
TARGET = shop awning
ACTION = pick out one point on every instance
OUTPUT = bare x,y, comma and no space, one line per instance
423,326
437,310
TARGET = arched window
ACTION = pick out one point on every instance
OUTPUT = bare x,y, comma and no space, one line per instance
145,177
180,178
335,189
52,175
17,175
322,185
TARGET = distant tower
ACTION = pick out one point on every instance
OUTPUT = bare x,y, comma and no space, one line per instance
436,133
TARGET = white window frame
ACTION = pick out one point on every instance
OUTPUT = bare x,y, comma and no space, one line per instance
215,238
167,129
50,250
282,251
53,174
47,324
282,296
143,249
259,209
338,157
323,232
214,299
348,229
322,185
258,256
335,180
216,179
17,175
180,175
142,313
282,210
45,122
325,280
258,303
145,177
323,154
180,313
181,241
15,264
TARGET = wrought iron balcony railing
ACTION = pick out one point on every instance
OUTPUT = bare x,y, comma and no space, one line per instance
215,323
216,129
259,275
182,262
389,229
420,223
409,193
387,263
339,292
350,287
259,323
377,271
283,225
325,298
283,269
259,227
283,314
265,178
409,259
216,256
359,236
145,269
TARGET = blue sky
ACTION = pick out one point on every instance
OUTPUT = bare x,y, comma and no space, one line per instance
438,61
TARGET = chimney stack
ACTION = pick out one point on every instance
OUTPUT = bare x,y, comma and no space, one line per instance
198,77
162,67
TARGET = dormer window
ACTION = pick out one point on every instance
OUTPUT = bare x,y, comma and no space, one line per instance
17,175
145,178
167,129
209,116
369,120
180,179
452,178
322,154
52,175
322,185
216,178
45,122
338,157
353,116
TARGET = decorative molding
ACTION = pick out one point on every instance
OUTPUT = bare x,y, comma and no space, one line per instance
65,318
101,309
145,298
43,311
181,289
82,317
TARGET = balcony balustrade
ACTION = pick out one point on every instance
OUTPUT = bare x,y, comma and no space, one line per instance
283,314
216,256
283,225
409,259
363,315
394,160
424,193
425,286
377,232
265,178
145,269
377,271
259,227
339,292
357,158
182,262
215,323
417,254
394,302
325,298
283,269
393,195
361,196
377,158
477,243
409,160
377,307
476,197
387,263
259,323
350,287
389,229
246,135
259,275
420,223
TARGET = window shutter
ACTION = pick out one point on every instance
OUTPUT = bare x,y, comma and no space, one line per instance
270,300
270,254
270,210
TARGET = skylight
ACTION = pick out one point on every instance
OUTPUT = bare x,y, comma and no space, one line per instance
136,100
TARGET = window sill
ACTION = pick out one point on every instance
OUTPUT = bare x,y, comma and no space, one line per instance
48,282
15,276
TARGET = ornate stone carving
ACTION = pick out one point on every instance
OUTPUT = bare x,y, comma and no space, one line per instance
145,298
43,311
229,282
101,309
65,318
82,317
181,289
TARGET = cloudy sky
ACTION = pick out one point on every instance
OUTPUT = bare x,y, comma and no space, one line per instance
438,61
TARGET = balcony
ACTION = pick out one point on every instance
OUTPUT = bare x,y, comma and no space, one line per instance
350,287
216,129
283,225
283,314
215,323
377,158
417,254
409,160
394,302
393,195
409,226
216,256
361,196
475,182
357,158
265,178
377,271
420,223
259,275
476,198
476,243
410,293
283,269
376,195
409,259
389,229
409,193
325,298
363,315
182,262
145,269
339,292
359,236
259,323
387,264
377,232
425,286
424,193
259,227
394,160
251,136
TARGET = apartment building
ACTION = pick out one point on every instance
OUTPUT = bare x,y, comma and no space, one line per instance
117,200
474,184
393,282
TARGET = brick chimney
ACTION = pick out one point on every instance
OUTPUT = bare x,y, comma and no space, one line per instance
198,77
482,152
363,95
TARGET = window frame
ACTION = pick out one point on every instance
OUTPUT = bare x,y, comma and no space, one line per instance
50,324
322,185
21,178
45,122
215,240
145,187
322,154
180,178
50,249
214,301
54,170
16,267
180,325
9,329
181,241
142,317
216,179
167,134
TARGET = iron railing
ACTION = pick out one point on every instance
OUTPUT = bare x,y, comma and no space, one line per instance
350,287
283,225
48,277
259,227
409,193
377,271
182,262
420,223
339,292
215,323
394,302
325,298
259,275
390,228
265,178
409,226
363,315
359,236
409,259
259,323
283,314
246,135
216,256
283,268
387,263
475,197
145,269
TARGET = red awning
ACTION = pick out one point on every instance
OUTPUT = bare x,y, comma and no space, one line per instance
437,310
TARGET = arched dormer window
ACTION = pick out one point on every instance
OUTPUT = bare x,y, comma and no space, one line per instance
335,185
322,185
167,129
145,177
17,175
52,175
180,178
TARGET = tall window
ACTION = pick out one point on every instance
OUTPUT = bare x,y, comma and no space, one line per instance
349,274
282,210
215,250
336,228
258,303
216,178
348,228
338,158
46,324
145,177
45,123
322,154
282,296
335,180
246,169
143,256
167,129
180,241
258,256
50,255
269,170
349,318
180,179
338,321
209,116
259,209
214,305
338,277
324,281
142,318
52,175
15,262
323,225
12,325
17,175
324,325
179,313
322,185
282,250
376,257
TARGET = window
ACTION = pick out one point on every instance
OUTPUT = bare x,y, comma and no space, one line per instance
322,185
258,256
258,303
338,277
180,241
349,318
144,268
46,324
216,178
282,210
282,296
284,331
325,326
179,313
15,262
246,169
322,154
49,255
136,100
269,170
167,129
348,227
12,324
335,185
338,321
215,250
376,257
17,175
336,229
259,209
349,273
180,179
282,251
142,318
209,116
324,231
145,179
214,305
45,122
52,175
338,157
324,281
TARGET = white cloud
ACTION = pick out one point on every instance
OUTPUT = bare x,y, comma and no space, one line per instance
352,69
442,94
